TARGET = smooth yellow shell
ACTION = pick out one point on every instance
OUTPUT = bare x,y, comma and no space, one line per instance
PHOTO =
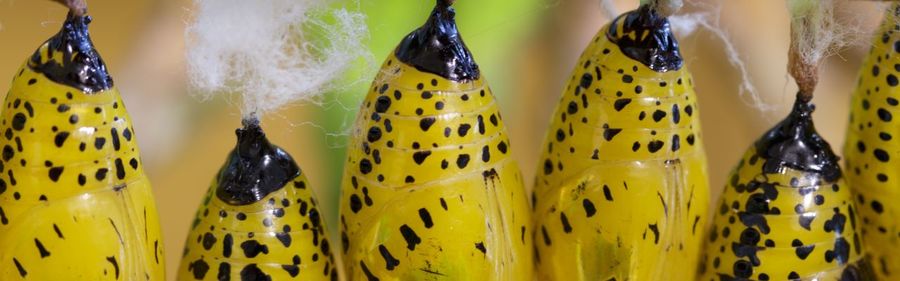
74,201
281,237
430,191
621,191
871,151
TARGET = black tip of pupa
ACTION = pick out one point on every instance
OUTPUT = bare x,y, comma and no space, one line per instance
71,58
647,37
437,47
794,143
254,169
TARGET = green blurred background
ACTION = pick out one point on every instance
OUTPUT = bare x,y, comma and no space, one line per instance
526,49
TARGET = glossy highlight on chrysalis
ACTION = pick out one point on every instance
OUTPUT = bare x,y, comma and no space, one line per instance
647,37
71,59
437,47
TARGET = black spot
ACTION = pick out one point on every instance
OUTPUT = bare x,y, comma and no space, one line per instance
485,154
654,146
285,237
382,104
365,269
627,78
252,248
54,173
62,108
676,115
881,155
99,142
609,134
463,130
389,259
804,251
426,217
208,241
676,143
480,247
565,222
420,156
365,166
410,236
463,160
133,162
120,169
891,80
227,243
198,268
252,272
426,123
607,193
884,115
877,207
31,81
573,107
292,269
620,104
18,121
502,147
41,250
885,136
658,115
355,203
374,134
586,80
742,269
481,128
61,138
115,138
426,95
589,209
655,229
548,167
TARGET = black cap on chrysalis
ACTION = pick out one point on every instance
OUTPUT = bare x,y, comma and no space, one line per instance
71,58
437,47
794,143
655,45
255,168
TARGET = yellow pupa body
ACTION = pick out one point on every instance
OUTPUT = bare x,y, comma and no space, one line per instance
621,191
872,151
259,221
74,201
430,191
787,213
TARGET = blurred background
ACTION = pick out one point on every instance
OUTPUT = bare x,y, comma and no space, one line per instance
526,49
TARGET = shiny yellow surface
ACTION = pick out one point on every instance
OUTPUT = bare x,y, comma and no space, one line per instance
803,227
621,190
74,201
442,201
281,236
870,132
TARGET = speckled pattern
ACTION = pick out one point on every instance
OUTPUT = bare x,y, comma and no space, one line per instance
621,191
430,191
872,152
